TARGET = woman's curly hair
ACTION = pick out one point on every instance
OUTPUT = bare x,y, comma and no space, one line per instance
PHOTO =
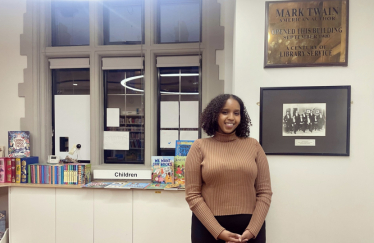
209,117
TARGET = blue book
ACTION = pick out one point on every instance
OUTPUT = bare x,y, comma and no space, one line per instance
25,162
182,147
56,173
42,174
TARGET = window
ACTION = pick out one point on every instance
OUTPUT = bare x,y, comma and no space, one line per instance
124,108
179,21
70,23
179,99
62,24
70,112
123,22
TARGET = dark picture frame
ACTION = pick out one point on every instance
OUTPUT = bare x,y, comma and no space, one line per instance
306,33
335,139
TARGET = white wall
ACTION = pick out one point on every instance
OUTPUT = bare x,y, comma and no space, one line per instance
11,67
316,198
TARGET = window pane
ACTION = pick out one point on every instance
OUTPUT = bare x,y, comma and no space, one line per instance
71,81
70,23
123,22
124,89
178,84
179,22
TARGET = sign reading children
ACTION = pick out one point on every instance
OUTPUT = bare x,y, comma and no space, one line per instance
306,33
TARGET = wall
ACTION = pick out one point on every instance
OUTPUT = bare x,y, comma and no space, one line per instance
316,199
11,66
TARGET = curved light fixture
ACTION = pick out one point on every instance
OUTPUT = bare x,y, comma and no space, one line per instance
123,82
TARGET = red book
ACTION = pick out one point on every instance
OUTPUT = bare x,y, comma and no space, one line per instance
8,165
13,171
2,170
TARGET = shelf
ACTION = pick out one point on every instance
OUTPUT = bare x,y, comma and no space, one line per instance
132,115
131,123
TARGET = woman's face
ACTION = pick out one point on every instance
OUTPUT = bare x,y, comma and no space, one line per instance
229,116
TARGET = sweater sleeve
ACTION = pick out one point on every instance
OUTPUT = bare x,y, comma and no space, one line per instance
193,191
263,192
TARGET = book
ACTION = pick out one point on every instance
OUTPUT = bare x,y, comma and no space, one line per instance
2,222
179,167
2,151
25,168
13,170
163,169
156,186
182,147
18,170
2,170
136,185
8,168
96,184
117,185
18,144
171,187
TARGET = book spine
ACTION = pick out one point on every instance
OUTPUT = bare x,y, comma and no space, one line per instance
32,173
13,172
62,174
18,170
82,174
28,172
69,182
59,174
23,171
8,163
42,174
50,175
75,174
56,173
2,170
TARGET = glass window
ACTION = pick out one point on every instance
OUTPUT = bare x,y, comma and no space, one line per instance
70,23
181,86
68,82
123,22
179,21
124,89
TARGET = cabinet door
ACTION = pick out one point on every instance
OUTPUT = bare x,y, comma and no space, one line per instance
74,215
161,217
32,215
113,216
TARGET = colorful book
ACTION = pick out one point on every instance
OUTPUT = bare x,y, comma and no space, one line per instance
13,169
117,185
171,187
8,164
2,170
97,184
182,147
179,167
18,170
136,185
18,144
163,169
25,168
156,186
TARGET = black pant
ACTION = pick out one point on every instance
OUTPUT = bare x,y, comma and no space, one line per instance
233,223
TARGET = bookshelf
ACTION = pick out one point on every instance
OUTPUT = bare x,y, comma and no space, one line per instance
134,124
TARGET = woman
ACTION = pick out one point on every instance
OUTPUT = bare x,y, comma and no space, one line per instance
227,177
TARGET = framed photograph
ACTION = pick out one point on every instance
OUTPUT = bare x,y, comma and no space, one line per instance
306,33
305,120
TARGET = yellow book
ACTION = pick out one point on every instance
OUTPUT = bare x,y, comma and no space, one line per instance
18,170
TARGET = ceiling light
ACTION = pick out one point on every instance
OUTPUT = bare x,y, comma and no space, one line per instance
123,83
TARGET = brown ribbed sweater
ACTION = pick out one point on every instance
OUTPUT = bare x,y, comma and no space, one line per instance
228,175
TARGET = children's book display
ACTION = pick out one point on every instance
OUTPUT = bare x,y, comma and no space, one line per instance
117,185
163,169
18,144
182,147
179,167
97,184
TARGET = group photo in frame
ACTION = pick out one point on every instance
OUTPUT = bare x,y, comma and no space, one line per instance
305,120
305,33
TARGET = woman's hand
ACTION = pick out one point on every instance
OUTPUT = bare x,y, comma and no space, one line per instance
246,236
228,236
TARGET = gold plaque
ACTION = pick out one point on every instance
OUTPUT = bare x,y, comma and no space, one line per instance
306,33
